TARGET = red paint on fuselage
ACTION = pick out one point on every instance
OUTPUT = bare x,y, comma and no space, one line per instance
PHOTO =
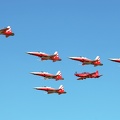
45,56
7,32
48,75
85,75
115,60
86,61
50,90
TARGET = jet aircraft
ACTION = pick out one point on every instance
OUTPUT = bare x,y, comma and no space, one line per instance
85,75
51,90
86,61
46,75
55,57
115,59
6,31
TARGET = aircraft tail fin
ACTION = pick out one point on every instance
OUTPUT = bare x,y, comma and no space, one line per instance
97,73
58,73
61,87
97,58
8,26
55,53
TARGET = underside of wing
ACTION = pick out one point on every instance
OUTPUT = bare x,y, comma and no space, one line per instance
81,78
87,62
51,91
50,77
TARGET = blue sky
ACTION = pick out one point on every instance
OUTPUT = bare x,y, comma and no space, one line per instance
73,28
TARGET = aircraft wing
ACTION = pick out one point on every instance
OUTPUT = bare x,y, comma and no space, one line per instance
87,61
50,77
48,56
51,91
84,77
81,78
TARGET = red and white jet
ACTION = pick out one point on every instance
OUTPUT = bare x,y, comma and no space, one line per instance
55,57
85,75
46,75
86,61
115,59
6,31
51,90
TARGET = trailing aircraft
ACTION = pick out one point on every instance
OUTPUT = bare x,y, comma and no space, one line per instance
46,75
6,31
51,90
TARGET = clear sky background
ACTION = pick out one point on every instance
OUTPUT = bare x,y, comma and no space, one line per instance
73,28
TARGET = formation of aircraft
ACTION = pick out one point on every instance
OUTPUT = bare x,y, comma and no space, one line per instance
46,75
58,76
115,59
86,61
7,31
54,57
51,90
85,75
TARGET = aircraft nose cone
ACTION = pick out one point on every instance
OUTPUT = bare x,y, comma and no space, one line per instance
110,59
71,57
35,88
29,53
34,73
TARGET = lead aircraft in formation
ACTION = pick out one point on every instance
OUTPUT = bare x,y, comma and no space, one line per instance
86,61
7,31
54,57
51,90
46,75
85,75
